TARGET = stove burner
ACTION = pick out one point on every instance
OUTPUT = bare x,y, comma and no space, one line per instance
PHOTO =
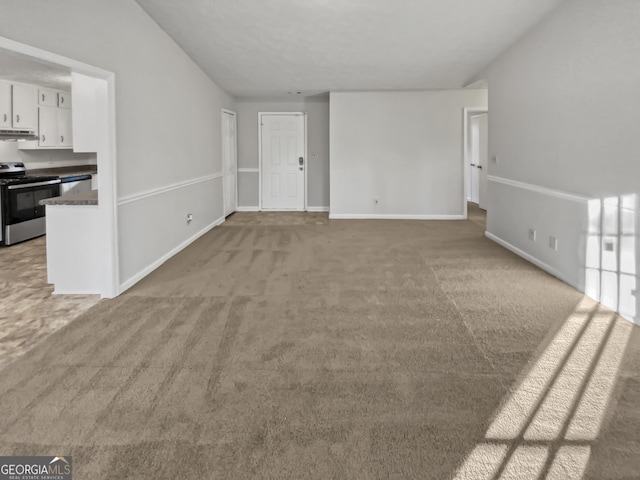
15,173
22,179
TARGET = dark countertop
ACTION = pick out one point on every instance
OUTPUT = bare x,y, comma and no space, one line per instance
84,198
63,172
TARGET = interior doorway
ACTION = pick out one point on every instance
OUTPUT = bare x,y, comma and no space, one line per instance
94,130
230,161
476,156
282,164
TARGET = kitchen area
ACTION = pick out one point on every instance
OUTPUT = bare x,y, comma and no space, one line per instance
47,193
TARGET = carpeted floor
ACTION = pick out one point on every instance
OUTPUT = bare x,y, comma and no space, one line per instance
287,346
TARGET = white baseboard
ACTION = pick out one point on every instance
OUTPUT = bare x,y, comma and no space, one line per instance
547,268
130,282
257,209
530,258
373,216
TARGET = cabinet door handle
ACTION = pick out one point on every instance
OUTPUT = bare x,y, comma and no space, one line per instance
61,138
43,137
5,117
18,117
61,99
43,97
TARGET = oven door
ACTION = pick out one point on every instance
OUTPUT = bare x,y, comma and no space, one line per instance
23,216
23,200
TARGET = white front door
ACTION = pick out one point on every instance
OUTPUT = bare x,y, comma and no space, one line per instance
229,162
282,141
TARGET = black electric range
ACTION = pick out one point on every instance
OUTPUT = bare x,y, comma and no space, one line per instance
21,215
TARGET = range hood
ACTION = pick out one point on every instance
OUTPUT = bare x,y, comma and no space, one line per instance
12,135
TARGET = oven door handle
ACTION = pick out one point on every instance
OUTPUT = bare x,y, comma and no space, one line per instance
37,184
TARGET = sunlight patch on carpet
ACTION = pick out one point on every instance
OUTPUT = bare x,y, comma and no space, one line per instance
546,426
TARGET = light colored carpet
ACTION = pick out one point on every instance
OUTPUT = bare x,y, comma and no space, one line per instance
29,312
290,346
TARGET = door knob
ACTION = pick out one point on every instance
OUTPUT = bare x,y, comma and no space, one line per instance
300,161
480,167
473,164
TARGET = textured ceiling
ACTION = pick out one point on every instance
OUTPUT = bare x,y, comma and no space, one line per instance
16,67
265,48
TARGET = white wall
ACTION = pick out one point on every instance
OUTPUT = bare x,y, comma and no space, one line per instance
317,109
9,152
404,149
55,158
563,105
167,115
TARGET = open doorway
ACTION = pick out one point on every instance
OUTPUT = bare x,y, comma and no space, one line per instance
92,97
476,154
76,102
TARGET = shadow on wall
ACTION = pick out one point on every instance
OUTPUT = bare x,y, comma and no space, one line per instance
610,260
546,427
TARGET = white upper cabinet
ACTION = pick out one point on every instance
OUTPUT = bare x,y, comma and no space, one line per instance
18,106
65,129
5,105
48,127
47,97
64,100
52,112
55,128
25,107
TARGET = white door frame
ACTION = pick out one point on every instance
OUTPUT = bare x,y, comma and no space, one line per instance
224,172
106,158
306,157
468,112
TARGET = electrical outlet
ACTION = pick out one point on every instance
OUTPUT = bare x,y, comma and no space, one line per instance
189,218
532,235
553,243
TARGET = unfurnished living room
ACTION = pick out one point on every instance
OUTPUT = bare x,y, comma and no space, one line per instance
325,239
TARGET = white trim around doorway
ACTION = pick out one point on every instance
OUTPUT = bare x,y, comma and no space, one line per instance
106,158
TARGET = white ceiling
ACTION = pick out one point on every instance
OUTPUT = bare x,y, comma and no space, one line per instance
16,67
267,48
